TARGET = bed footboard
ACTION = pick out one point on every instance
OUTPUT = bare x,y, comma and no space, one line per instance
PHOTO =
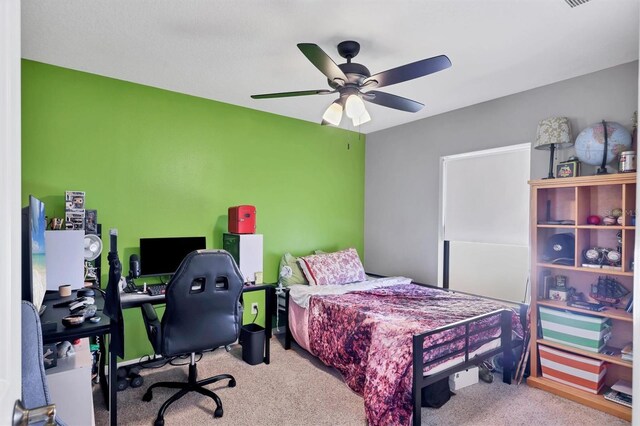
419,381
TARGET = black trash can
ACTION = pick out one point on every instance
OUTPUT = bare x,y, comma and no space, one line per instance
252,341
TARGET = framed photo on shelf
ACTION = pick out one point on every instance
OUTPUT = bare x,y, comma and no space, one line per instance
568,169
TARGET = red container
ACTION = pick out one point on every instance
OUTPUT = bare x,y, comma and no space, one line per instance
242,220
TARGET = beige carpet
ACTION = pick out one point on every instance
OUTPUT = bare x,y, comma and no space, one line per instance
297,389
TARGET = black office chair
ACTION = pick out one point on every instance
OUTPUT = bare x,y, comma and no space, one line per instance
202,312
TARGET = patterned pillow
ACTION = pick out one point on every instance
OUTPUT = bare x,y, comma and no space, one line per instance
341,267
290,272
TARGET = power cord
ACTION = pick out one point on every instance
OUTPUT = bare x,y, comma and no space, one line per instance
161,364
170,360
176,364
256,317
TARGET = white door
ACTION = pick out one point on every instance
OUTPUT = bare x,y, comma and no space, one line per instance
10,226
485,220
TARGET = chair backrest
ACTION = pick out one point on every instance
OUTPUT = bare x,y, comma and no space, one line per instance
35,392
203,304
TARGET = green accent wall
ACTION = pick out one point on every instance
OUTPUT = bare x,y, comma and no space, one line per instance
156,163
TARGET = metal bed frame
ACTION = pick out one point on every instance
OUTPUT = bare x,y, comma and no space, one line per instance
419,381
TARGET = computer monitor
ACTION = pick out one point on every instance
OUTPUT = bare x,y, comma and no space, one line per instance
34,264
162,256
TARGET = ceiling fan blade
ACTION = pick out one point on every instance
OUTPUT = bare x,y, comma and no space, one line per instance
322,61
289,94
392,101
409,71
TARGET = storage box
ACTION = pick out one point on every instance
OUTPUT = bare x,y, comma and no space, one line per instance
464,378
574,370
242,220
586,332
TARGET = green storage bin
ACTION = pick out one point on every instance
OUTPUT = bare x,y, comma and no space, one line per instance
586,332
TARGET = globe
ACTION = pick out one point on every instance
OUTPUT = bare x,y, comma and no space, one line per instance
590,143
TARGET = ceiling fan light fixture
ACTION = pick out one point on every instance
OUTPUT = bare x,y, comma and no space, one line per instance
333,114
354,106
348,79
364,118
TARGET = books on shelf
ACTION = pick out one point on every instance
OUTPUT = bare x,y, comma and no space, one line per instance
598,307
557,222
618,397
623,386
620,393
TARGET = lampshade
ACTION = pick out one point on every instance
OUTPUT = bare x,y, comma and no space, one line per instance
554,131
354,106
333,114
363,118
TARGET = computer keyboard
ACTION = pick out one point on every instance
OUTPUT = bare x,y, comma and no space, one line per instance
156,289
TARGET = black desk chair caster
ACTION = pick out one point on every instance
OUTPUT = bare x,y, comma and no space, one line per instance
192,385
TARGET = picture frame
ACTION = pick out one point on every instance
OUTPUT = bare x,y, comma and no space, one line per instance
568,169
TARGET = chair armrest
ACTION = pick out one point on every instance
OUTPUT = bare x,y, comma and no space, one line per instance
152,325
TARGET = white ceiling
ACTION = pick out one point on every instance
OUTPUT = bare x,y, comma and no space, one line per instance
229,50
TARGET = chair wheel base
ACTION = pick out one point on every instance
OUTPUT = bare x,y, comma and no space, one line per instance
232,383
159,422
218,413
148,396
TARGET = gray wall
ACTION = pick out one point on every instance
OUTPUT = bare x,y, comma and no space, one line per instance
402,163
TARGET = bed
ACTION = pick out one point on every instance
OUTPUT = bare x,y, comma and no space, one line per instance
389,338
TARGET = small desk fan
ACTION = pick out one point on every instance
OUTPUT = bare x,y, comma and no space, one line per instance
92,249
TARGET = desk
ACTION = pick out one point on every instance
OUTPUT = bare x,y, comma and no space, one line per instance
87,329
104,327
135,300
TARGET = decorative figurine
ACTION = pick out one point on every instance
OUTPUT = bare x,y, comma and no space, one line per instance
608,291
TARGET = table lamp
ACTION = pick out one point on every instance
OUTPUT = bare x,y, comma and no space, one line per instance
553,133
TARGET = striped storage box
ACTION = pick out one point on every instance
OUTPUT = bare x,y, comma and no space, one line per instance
574,370
585,332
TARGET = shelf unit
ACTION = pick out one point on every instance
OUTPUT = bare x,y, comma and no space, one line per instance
574,199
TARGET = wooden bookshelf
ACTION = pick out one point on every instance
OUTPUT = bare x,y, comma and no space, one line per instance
574,199
595,401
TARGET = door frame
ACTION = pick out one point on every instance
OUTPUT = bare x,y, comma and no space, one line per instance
635,410
10,214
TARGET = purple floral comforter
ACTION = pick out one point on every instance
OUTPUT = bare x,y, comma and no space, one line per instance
367,336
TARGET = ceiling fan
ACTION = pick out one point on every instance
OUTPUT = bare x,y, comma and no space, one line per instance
350,78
